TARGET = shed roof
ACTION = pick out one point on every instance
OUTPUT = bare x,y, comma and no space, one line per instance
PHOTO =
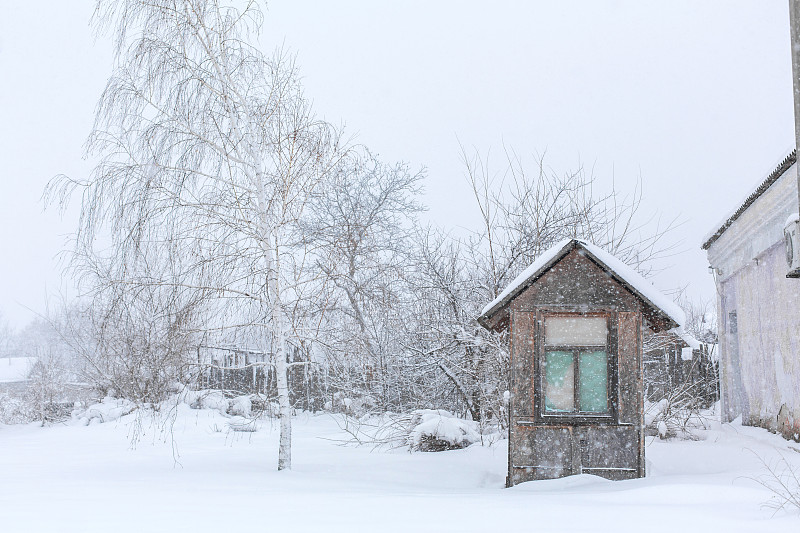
784,165
631,280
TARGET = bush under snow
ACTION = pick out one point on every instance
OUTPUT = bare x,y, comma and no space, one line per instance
240,406
13,410
425,430
436,430
108,410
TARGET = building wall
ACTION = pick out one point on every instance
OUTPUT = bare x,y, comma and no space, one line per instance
541,449
759,314
14,388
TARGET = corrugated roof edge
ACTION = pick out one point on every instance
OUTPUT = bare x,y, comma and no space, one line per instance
772,178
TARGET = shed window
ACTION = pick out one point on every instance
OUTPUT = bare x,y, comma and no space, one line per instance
575,365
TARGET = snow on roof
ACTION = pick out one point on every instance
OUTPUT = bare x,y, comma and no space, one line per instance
14,369
633,279
748,200
529,272
693,343
637,282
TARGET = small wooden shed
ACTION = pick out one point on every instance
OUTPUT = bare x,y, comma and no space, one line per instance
576,406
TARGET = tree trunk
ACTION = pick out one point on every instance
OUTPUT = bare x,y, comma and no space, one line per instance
281,363
282,379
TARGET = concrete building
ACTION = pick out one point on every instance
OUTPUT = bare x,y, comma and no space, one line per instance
759,307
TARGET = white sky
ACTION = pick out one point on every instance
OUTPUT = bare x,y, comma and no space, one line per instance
694,97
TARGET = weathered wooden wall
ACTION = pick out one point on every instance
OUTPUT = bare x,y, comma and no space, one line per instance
541,449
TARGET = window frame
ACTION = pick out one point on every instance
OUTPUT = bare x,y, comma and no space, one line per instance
539,377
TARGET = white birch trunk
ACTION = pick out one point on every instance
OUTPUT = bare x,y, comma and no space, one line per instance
282,378
281,364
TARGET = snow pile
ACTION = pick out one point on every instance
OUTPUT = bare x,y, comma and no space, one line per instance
239,410
241,406
185,395
436,430
108,410
358,406
425,430
212,399
202,399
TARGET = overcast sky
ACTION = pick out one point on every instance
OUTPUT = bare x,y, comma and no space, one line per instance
693,97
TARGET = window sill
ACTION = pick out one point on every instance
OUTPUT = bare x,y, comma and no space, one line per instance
576,419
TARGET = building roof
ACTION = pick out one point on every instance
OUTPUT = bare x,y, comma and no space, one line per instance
787,162
625,275
15,369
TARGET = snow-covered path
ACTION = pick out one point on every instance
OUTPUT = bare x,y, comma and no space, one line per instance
72,478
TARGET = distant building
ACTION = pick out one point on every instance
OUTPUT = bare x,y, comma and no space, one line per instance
759,307
14,372
677,363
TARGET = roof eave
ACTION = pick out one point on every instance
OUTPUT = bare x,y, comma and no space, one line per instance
785,165
656,317
489,320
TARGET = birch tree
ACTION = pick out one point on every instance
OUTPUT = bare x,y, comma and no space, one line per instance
209,152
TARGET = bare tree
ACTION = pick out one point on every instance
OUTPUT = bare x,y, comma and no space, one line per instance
361,232
523,212
135,340
457,352
51,386
209,153
6,337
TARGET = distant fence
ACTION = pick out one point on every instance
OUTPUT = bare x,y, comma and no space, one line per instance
238,370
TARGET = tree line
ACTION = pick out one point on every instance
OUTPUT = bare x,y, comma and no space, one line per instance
224,211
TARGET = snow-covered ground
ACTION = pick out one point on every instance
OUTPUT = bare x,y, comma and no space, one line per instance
72,477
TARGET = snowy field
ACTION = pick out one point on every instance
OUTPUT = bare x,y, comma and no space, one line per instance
74,478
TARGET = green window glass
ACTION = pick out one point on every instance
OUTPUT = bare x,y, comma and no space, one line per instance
559,382
575,365
593,381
